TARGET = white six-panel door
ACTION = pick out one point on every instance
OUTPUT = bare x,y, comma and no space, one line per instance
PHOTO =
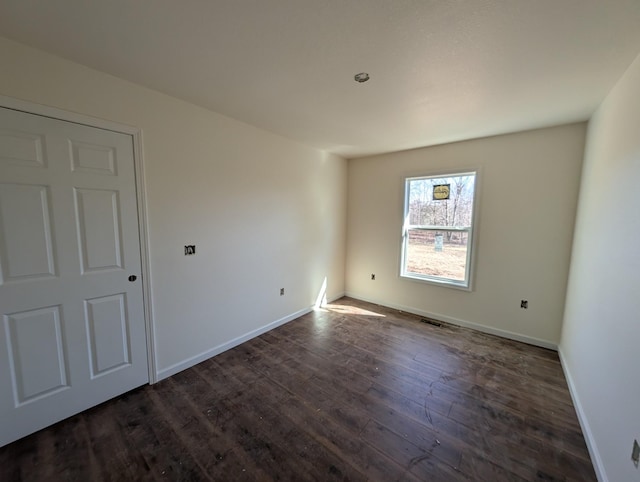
72,331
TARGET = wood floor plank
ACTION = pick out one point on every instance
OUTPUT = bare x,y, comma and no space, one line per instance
125,462
318,421
351,392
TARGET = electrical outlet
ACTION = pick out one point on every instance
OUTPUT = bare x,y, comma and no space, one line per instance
635,453
524,304
373,276
281,291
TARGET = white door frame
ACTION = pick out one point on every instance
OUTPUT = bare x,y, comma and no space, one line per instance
136,133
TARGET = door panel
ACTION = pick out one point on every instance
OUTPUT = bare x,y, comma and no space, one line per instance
21,148
98,227
25,228
34,377
73,331
92,158
108,330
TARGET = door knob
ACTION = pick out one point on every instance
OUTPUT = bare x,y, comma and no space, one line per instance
132,278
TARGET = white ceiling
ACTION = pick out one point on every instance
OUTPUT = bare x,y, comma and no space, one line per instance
441,70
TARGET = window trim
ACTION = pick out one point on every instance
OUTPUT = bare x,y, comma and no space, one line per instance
467,284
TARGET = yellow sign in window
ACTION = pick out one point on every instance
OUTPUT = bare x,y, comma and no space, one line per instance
441,192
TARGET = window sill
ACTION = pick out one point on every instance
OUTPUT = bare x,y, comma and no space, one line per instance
432,280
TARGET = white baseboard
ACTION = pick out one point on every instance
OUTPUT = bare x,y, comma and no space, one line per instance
336,297
456,321
596,460
205,355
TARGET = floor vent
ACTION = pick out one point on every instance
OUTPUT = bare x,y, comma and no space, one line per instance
430,322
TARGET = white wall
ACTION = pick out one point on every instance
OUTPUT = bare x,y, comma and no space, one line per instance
600,343
264,211
528,192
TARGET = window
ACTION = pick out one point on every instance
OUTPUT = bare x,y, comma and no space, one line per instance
437,233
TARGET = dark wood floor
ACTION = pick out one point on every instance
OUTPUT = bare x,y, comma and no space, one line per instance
356,392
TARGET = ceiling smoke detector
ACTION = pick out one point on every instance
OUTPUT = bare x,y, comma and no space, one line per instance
361,77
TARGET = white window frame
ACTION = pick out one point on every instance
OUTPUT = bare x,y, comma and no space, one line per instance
467,283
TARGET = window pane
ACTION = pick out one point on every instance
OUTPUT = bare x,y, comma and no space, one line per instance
441,201
437,253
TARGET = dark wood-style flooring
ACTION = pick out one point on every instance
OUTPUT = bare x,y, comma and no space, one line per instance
355,392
